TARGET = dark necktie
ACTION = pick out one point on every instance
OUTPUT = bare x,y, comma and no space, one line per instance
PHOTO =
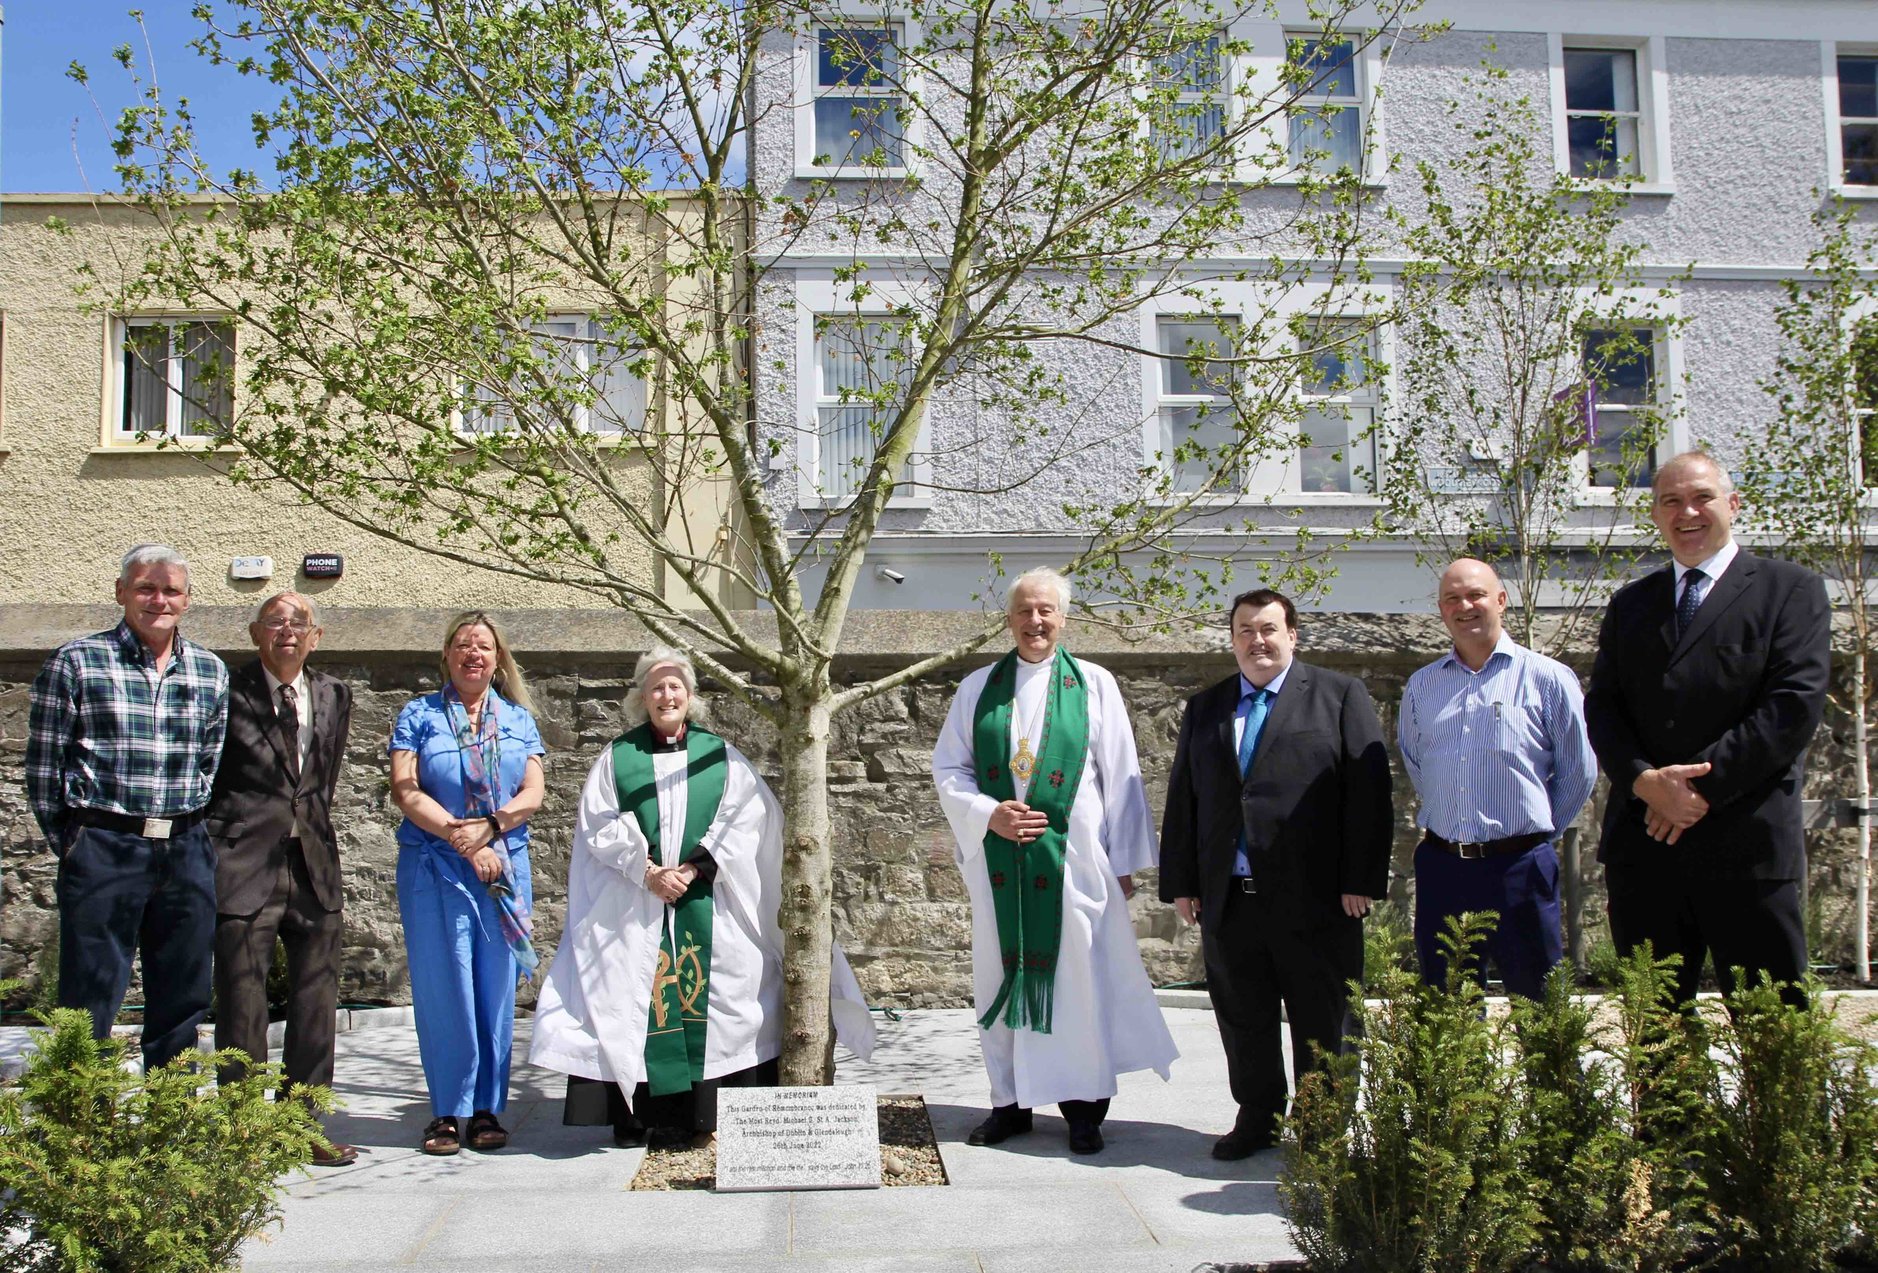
289,715
1692,588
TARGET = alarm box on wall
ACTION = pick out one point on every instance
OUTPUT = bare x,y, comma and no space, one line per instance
323,566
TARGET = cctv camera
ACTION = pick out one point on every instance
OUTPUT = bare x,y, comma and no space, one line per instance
889,574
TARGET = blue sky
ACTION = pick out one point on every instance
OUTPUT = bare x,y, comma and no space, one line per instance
43,114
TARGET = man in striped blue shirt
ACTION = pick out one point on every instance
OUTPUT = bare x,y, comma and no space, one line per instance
122,746
1493,736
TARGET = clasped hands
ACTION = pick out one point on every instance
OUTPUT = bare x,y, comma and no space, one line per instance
668,883
471,838
1671,803
1020,824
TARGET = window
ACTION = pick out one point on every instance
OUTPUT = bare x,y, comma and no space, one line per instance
1327,118
1603,120
862,366
1196,412
858,116
1336,434
1864,396
1620,368
1189,85
1858,119
578,372
176,378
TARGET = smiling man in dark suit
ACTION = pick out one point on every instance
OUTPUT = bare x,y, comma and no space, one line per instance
277,873
1710,678
1275,842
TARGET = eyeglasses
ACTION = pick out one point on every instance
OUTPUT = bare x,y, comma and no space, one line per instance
278,624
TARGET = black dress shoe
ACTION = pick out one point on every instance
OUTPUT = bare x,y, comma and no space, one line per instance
1005,1122
1242,1142
1085,1138
629,1136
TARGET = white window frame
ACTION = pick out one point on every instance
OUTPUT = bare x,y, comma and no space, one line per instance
1654,172
1264,69
1276,476
589,336
1223,94
1830,52
820,297
1860,315
1667,358
1364,396
117,354
808,91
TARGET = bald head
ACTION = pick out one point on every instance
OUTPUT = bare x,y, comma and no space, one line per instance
1473,608
1693,464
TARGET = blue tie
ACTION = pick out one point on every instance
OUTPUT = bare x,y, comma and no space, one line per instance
1254,722
1691,601
1248,743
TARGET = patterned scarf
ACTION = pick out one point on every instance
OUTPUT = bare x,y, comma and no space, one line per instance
481,753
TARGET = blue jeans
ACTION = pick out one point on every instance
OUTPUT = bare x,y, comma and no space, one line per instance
122,894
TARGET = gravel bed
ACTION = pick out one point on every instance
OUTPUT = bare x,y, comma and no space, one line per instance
909,1153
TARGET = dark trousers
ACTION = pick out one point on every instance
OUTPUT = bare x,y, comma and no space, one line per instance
1750,924
1261,955
1521,888
591,1102
244,954
122,895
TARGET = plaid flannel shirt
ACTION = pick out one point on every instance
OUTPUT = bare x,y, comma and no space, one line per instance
108,732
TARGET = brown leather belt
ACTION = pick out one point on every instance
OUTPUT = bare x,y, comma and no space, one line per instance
1473,849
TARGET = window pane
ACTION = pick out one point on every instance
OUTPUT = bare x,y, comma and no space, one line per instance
1622,371
1334,450
1338,135
852,131
1858,87
1600,80
857,357
1332,67
1192,346
1188,129
1614,459
1602,146
1191,438
1859,142
146,378
208,354
1339,353
855,57
621,407
848,440
1194,69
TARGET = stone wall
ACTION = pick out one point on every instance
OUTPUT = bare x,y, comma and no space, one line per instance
900,907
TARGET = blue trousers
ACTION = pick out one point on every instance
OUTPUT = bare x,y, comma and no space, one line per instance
122,895
1522,888
462,980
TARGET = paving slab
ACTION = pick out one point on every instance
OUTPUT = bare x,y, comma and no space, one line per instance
1153,1202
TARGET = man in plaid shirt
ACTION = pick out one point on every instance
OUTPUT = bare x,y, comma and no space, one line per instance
126,733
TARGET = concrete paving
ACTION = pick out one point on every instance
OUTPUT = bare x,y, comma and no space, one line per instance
1153,1202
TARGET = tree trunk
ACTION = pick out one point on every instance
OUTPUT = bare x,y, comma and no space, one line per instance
1862,775
807,885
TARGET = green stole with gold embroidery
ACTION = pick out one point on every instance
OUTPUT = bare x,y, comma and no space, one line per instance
677,1017
1027,879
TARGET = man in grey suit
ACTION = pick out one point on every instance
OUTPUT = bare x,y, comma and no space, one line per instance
277,871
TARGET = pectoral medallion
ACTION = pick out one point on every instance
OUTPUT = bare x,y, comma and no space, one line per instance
1024,763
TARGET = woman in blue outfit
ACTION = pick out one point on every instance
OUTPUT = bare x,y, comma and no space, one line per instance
466,772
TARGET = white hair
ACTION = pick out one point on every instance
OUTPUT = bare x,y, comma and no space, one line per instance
1039,574
305,602
151,555
659,656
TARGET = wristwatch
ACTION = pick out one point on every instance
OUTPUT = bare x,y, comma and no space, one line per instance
495,828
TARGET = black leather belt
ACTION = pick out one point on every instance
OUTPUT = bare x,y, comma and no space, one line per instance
133,824
1472,849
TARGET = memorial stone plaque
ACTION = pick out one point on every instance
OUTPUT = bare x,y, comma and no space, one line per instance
797,1138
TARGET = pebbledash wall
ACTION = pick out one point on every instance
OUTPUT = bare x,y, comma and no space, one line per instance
900,908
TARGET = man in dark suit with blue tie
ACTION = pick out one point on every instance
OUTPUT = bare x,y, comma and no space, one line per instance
1276,840
1710,679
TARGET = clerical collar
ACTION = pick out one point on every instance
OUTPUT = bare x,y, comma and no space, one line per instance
661,743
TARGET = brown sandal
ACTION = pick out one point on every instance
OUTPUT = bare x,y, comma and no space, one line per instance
485,1132
441,1138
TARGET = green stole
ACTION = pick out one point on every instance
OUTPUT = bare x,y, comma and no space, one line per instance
681,997
1027,880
